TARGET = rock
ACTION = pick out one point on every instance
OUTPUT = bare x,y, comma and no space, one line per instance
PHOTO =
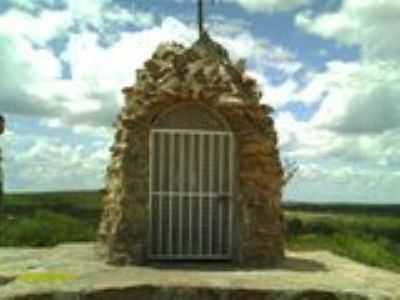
76,271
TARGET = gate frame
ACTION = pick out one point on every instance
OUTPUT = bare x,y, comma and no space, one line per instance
236,236
232,231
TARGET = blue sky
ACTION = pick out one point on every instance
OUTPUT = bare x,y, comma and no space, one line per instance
329,68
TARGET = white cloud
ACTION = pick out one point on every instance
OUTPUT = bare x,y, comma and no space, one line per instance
55,16
92,95
358,97
23,67
101,14
35,162
275,95
344,183
305,141
30,5
339,167
370,24
87,11
139,18
346,142
355,98
270,6
36,29
353,139
338,75
32,83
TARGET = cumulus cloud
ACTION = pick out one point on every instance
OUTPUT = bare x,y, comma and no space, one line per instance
360,97
349,145
271,5
24,66
266,6
337,166
369,24
101,14
276,95
91,94
31,78
44,162
38,30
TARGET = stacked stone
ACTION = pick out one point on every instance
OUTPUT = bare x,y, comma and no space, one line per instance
203,73
261,179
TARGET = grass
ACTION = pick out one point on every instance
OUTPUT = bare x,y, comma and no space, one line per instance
47,219
372,240
45,277
44,228
84,205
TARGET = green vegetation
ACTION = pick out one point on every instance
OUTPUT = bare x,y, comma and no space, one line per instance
372,240
47,219
45,277
83,205
44,228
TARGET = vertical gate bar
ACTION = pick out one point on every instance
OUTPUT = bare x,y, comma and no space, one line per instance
150,212
160,198
231,178
171,187
210,188
181,189
221,204
191,163
201,164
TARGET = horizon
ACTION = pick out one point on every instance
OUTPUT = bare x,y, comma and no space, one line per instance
328,68
284,201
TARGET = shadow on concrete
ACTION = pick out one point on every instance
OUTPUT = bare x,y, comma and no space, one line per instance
295,264
291,264
5,280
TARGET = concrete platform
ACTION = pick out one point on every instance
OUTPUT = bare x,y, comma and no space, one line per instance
73,271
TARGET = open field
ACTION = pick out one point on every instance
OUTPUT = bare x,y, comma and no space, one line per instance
370,239
368,234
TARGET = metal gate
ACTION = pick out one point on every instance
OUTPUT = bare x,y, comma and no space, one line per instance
191,187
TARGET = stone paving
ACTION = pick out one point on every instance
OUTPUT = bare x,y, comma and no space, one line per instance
74,271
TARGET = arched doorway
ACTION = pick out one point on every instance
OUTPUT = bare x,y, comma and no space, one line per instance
191,185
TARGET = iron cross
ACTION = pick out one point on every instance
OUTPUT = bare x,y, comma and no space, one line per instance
201,15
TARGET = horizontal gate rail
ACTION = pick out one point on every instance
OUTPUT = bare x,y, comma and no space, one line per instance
191,132
193,194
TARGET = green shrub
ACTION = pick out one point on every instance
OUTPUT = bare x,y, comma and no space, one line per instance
364,249
44,228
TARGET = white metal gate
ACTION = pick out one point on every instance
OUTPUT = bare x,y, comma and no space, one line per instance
191,188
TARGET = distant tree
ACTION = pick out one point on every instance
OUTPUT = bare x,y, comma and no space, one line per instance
2,124
290,168
2,127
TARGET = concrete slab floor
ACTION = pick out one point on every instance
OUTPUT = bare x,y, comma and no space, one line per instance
74,271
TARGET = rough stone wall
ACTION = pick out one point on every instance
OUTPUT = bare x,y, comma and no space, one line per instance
200,74
259,213
123,225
